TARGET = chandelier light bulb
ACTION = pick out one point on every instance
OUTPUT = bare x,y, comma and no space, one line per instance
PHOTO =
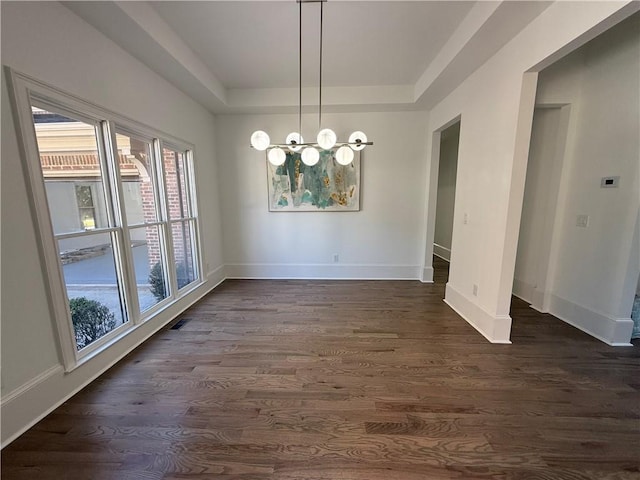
293,139
327,139
344,155
260,140
276,156
360,138
310,156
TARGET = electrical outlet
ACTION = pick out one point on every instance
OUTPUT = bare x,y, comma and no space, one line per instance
475,290
465,218
336,258
582,221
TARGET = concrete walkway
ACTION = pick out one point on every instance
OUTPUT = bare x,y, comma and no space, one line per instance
101,270
95,279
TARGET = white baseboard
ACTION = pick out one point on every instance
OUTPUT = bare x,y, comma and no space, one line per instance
612,331
217,276
442,252
530,294
496,329
26,405
522,290
33,383
322,271
427,275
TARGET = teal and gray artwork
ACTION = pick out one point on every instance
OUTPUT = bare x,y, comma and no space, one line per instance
326,186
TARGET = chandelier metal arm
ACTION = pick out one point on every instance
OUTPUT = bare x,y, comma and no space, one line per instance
337,145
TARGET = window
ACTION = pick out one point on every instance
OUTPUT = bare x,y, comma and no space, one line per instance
139,176
86,208
87,249
180,214
119,230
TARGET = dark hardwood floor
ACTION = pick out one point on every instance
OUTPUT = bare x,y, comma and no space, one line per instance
363,380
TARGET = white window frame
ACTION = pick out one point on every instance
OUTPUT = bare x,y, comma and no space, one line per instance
26,91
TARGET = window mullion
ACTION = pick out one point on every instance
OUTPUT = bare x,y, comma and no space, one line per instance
195,247
193,199
124,256
88,233
169,268
140,225
191,184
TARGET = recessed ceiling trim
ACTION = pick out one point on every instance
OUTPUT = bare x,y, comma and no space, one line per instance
152,23
332,96
155,41
479,14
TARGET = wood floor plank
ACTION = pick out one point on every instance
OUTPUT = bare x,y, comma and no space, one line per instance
346,380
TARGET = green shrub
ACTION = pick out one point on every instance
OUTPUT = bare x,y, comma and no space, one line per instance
156,279
91,320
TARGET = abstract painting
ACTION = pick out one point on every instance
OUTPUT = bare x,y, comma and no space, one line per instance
325,187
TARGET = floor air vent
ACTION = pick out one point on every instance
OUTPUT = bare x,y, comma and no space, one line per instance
179,324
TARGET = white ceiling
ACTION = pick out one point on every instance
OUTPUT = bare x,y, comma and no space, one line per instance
240,56
255,44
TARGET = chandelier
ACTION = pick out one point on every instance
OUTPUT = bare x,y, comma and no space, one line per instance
326,138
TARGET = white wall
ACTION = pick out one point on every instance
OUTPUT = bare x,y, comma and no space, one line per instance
383,240
592,286
45,40
447,168
496,108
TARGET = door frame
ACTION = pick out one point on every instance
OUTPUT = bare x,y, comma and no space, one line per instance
432,197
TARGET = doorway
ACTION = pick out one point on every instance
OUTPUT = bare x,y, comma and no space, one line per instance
445,201
544,171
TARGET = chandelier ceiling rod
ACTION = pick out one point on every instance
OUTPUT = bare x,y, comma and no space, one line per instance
300,74
320,82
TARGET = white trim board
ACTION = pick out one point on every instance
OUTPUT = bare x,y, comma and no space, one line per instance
25,406
496,329
442,252
322,271
612,331
530,294
427,275
34,382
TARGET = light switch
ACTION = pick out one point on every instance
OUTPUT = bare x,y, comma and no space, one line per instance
582,221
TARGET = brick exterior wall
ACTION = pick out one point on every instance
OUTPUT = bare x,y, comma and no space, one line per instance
177,205
149,213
